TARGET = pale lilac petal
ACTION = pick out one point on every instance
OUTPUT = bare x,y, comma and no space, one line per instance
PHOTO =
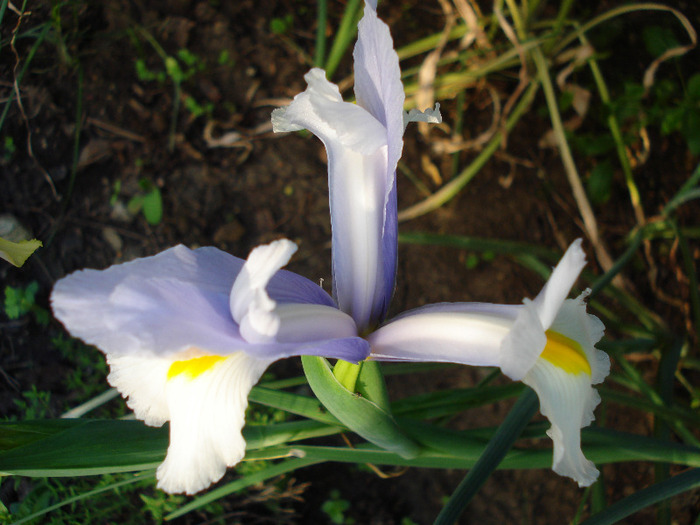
378,86
357,219
351,349
466,333
169,302
155,305
249,289
355,143
389,247
552,296
338,124
312,322
522,347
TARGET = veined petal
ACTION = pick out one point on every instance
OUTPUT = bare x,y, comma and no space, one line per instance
567,400
562,379
361,189
207,412
558,286
204,397
141,381
154,305
466,333
525,342
322,111
248,291
378,86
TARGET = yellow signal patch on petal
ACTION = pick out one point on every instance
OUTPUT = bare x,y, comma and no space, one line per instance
565,353
194,367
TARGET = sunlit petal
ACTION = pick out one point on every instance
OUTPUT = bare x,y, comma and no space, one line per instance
153,306
207,413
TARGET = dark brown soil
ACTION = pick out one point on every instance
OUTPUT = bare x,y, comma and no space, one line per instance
262,187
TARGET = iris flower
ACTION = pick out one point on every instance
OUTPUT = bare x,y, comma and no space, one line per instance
547,343
187,333
364,143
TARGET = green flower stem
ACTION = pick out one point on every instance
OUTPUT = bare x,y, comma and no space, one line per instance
347,373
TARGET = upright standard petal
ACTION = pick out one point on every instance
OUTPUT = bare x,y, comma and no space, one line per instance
364,143
356,144
187,333
547,343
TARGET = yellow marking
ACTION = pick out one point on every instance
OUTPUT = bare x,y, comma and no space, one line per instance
565,353
193,367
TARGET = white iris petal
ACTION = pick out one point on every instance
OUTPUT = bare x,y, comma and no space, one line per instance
548,343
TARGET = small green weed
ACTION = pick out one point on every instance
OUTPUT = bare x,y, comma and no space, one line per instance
22,301
34,404
281,25
335,508
149,202
8,149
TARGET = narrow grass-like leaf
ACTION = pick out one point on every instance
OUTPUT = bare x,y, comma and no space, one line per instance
644,498
263,436
452,188
292,403
140,476
321,18
81,447
446,402
344,35
478,244
495,451
601,446
246,481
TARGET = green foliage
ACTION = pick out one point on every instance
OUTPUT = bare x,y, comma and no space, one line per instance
144,74
149,202
21,301
658,40
281,25
335,508
160,504
474,259
196,109
225,58
88,367
599,182
179,68
8,149
35,404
